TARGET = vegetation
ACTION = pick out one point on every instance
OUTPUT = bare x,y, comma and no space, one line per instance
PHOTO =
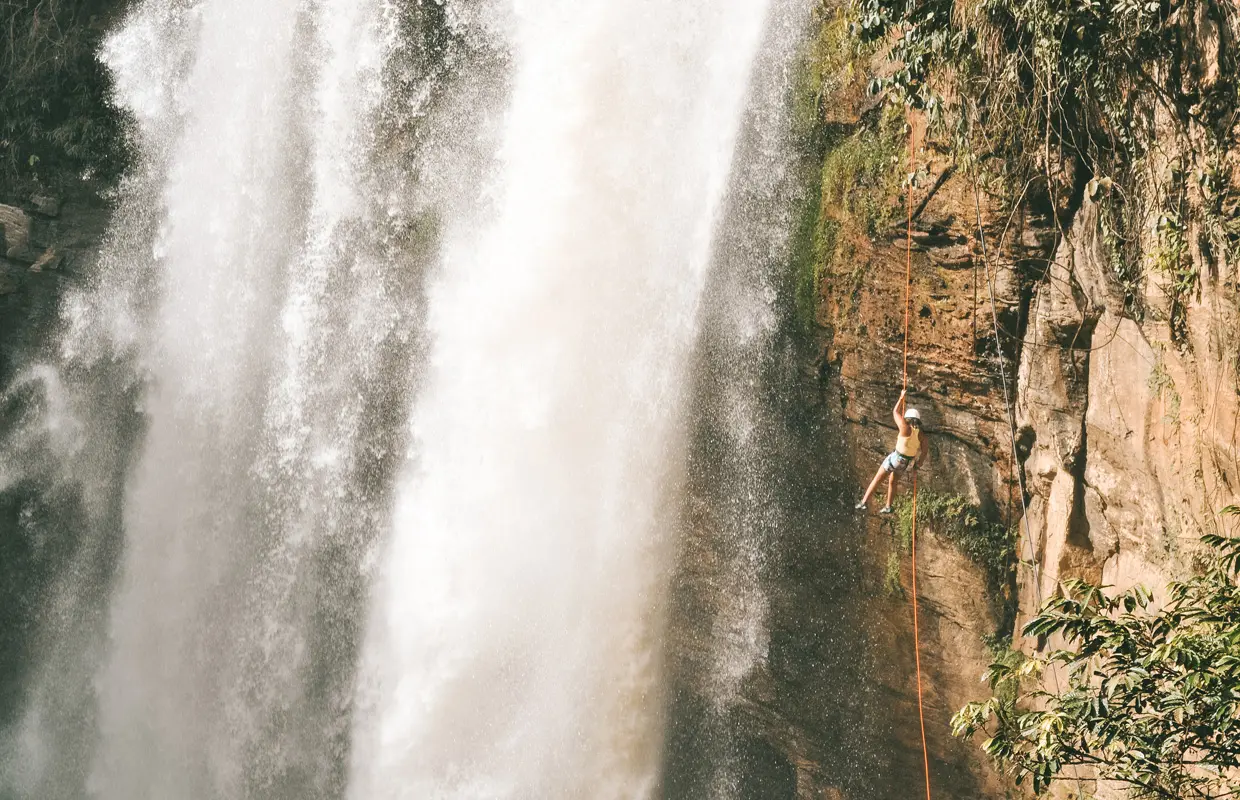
1046,95
859,199
891,575
1152,695
990,545
1037,72
1162,384
861,174
55,115
858,166
813,244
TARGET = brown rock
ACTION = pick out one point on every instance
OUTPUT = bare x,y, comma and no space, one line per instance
46,204
49,260
15,225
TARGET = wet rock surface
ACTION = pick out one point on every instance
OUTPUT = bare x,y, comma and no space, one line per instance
42,256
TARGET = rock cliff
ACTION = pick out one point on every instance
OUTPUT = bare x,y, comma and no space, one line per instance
1106,455
1084,408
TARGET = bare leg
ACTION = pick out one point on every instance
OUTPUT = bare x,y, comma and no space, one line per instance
878,476
891,487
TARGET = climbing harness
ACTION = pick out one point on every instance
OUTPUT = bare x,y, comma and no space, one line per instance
908,306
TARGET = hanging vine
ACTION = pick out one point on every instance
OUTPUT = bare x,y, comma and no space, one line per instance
1061,94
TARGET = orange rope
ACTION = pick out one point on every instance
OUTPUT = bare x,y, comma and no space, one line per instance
908,266
908,306
921,710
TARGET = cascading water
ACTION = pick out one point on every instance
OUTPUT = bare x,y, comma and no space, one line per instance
514,646
265,317
265,343
739,456
408,362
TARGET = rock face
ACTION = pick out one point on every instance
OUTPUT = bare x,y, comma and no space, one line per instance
40,254
15,226
956,383
1131,434
1126,440
1120,448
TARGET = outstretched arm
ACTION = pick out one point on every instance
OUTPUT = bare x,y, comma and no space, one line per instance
897,414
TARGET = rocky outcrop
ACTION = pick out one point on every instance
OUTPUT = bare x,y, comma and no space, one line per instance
955,380
1123,387
1129,405
1131,433
15,226
42,248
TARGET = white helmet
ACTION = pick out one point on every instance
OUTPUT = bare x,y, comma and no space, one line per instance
912,413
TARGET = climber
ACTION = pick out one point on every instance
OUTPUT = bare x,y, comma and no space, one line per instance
910,451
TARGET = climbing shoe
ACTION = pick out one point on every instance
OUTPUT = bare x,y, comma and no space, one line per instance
886,511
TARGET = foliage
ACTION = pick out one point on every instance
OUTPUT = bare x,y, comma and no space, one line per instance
1049,93
1162,384
990,545
55,116
1170,258
1117,222
1066,71
1007,658
1152,697
862,174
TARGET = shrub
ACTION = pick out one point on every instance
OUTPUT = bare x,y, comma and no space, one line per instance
1152,697
56,118
990,545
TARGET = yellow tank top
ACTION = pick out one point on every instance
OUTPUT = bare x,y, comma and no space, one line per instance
909,445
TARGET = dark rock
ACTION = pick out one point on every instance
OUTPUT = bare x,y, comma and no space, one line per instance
8,281
15,225
48,261
46,204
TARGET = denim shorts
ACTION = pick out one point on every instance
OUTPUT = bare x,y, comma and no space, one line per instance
896,462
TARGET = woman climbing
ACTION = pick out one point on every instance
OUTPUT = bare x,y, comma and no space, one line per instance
910,451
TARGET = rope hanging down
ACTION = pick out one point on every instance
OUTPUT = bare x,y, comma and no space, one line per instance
908,307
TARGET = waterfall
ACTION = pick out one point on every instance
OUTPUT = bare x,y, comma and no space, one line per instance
251,294
514,644
264,357
376,403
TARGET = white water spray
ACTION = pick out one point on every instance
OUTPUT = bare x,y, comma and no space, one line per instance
514,648
258,315
259,294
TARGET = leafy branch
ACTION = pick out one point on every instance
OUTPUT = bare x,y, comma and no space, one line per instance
1152,697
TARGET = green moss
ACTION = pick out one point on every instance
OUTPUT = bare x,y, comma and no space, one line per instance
833,63
861,175
891,578
858,200
812,240
989,544
857,185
